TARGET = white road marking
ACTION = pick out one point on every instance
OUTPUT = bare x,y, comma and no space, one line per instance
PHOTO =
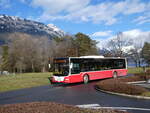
97,106
88,105
123,108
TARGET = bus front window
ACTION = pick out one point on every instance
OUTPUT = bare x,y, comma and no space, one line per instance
75,68
61,69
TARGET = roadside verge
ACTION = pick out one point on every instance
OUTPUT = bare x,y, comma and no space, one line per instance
50,107
126,86
121,94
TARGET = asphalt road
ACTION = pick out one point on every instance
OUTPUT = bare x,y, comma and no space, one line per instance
83,95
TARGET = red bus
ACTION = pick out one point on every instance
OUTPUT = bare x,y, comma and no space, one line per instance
87,68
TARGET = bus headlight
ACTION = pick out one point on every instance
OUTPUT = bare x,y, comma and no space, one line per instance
66,79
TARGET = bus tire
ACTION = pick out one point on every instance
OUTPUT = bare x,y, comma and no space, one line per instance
115,74
86,79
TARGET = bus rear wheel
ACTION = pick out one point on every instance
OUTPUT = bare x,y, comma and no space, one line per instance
86,79
115,74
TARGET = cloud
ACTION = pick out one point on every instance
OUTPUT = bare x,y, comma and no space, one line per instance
57,6
82,11
138,37
102,34
5,4
143,19
135,6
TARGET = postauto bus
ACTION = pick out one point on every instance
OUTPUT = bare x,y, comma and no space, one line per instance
87,68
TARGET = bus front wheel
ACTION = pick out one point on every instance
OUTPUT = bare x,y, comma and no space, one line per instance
86,79
115,74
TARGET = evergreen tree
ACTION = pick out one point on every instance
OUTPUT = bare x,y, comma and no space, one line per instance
146,52
85,45
5,58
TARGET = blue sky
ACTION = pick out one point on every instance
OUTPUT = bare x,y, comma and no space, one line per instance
100,19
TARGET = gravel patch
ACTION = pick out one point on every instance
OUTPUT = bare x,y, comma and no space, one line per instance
49,107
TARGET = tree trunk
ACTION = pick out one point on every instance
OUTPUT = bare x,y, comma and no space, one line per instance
139,63
43,69
33,69
136,64
20,69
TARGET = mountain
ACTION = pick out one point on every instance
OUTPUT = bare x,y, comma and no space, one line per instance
10,24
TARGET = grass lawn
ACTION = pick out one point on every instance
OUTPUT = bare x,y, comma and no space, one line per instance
146,94
26,80
136,70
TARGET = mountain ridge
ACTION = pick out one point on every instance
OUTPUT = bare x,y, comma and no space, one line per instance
11,24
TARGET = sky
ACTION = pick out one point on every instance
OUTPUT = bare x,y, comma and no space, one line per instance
100,19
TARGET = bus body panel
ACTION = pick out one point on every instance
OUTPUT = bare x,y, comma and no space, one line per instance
96,73
100,74
75,78
121,72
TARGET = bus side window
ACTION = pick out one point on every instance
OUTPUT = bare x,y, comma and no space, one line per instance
75,68
119,64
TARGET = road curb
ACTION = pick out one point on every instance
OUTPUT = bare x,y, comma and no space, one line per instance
136,82
122,94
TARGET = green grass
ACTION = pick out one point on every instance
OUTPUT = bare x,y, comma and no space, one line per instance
147,94
26,80
139,70
136,70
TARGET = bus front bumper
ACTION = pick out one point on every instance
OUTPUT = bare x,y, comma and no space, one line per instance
57,79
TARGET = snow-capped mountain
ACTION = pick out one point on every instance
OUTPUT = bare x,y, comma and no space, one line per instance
10,24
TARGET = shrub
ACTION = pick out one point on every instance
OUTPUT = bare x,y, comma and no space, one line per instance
132,78
144,76
148,71
136,77
49,107
115,85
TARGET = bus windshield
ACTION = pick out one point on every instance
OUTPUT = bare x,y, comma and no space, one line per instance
61,67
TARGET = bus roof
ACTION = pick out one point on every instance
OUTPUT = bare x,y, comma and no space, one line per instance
92,56
89,57
97,57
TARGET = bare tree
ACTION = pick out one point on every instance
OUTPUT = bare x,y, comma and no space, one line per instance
135,54
44,52
28,53
116,45
17,53
23,53
63,47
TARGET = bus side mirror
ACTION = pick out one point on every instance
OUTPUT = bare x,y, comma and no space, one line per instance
71,65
